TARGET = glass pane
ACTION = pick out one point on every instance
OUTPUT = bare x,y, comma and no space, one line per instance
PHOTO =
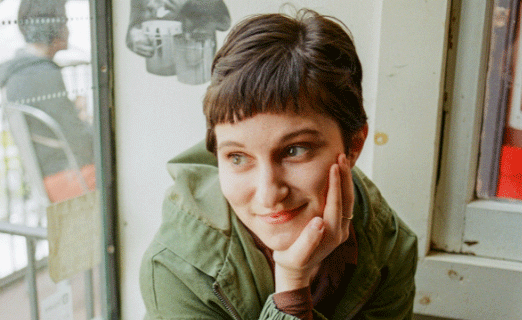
510,169
48,190
500,160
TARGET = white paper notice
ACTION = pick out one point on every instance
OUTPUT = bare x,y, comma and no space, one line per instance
60,304
74,234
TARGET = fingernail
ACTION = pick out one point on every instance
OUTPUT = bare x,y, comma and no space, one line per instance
317,223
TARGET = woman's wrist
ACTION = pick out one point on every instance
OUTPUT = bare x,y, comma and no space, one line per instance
291,279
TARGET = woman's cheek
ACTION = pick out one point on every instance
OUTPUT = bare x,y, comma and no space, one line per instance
314,179
233,186
227,184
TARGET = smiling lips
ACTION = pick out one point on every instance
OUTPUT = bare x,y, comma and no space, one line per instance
282,216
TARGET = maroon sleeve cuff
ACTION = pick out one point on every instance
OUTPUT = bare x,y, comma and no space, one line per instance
297,303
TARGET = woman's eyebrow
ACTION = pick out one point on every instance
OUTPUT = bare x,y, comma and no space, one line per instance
306,131
229,143
284,138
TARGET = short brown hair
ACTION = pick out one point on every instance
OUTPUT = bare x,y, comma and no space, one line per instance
273,63
41,21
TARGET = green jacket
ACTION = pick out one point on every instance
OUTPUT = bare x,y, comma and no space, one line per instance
203,263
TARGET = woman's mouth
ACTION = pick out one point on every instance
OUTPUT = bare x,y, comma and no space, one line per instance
282,216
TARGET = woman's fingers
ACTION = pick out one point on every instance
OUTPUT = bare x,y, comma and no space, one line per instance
347,187
300,252
347,198
294,268
333,207
296,265
339,202
308,241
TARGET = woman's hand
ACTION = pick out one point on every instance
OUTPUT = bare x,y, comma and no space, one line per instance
296,266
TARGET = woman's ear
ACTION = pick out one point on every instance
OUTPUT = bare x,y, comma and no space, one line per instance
357,145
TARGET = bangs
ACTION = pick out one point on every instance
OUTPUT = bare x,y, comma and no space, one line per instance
280,84
273,83
277,64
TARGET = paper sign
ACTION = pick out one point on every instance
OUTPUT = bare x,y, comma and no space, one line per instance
74,234
59,305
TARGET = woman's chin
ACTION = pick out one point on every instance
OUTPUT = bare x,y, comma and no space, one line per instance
283,236
280,243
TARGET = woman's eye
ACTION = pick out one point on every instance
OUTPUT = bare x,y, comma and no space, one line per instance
237,159
295,151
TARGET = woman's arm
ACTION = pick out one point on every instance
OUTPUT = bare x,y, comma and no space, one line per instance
296,266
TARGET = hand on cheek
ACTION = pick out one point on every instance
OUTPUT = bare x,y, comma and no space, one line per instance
296,266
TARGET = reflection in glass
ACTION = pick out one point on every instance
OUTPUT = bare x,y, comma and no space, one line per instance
46,149
510,168
32,78
500,161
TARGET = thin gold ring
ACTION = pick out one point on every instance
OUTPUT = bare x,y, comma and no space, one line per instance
347,218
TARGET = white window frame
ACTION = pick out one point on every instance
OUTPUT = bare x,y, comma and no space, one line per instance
462,223
409,111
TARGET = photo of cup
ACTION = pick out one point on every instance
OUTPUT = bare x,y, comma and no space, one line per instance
193,54
162,34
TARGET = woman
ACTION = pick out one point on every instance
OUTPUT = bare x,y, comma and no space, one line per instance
276,222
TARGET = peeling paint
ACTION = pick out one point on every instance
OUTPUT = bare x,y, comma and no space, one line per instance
425,300
453,275
380,138
471,242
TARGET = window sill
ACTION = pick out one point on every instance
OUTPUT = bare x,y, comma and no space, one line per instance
468,287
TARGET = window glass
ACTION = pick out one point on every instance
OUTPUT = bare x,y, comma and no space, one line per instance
50,218
478,157
510,169
500,162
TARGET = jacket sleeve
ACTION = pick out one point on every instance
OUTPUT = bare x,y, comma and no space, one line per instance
394,296
270,312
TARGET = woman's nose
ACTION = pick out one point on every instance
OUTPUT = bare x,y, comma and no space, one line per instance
271,187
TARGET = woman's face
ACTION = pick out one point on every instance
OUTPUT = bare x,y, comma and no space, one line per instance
273,170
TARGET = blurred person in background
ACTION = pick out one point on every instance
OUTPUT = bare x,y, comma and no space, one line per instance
32,78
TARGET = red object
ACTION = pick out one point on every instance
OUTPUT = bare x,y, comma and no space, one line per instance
510,175
65,185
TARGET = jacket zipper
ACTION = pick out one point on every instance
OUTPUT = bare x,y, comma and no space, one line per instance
224,300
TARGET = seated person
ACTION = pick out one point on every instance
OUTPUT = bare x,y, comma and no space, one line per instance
273,220
32,78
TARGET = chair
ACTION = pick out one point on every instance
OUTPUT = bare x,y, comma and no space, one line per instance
16,118
16,114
